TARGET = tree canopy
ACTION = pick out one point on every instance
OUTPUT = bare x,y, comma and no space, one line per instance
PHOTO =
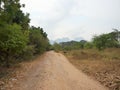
100,42
108,40
16,35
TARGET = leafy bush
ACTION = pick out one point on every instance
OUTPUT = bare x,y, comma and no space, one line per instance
106,41
38,39
12,41
27,53
17,38
88,45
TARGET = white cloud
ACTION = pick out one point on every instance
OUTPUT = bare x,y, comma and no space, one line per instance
74,18
97,8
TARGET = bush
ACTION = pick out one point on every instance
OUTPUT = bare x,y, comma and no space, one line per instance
88,45
27,53
38,39
12,42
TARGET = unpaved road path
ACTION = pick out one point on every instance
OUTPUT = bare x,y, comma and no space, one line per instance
54,72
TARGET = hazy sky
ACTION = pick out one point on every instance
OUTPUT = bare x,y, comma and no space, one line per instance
74,18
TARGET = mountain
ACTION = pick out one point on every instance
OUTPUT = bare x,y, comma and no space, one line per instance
65,39
78,39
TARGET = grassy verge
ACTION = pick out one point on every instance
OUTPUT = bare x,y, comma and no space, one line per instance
103,66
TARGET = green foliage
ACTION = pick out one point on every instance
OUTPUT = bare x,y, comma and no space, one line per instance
17,39
27,53
12,41
57,47
71,45
88,45
109,40
105,41
38,39
11,13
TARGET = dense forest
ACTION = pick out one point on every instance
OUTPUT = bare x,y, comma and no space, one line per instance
18,40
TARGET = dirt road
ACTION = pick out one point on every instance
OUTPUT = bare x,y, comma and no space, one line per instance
54,72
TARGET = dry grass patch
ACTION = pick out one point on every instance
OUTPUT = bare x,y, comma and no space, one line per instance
103,66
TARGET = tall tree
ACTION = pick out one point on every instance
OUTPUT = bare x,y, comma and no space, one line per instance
116,34
16,36
105,41
12,13
38,38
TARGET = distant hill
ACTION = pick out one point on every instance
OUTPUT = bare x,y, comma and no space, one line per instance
59,40
68,43
65,39
73,44
78,39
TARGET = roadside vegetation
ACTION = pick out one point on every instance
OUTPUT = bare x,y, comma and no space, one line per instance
103,66
18,40
99,58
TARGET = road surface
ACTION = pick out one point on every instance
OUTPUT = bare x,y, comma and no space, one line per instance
54,72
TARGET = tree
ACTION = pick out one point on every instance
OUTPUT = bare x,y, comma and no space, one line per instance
12,13
116,34
57,47
105,41
88,45
38,39
16,35
12,41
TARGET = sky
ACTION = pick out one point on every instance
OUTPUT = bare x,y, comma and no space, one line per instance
74,19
